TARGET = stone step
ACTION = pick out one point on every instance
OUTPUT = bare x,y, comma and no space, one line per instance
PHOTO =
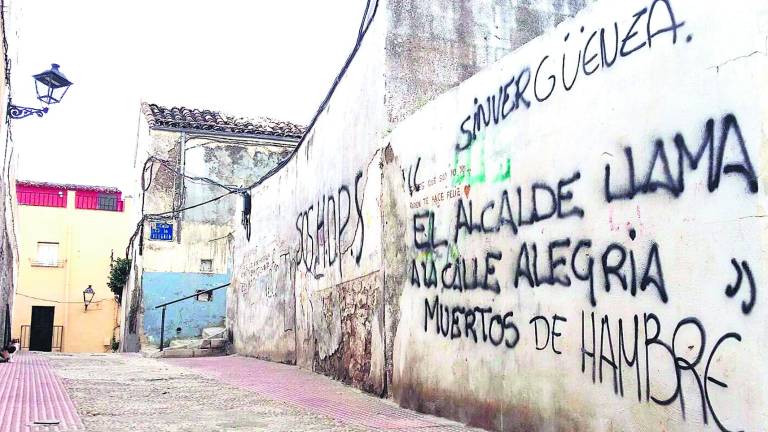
185,343
214,332
213,343
198,343
185,353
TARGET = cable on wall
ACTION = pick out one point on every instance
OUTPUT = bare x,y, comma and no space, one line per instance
365,24
61,302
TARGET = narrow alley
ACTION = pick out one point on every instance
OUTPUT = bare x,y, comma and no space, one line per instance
401,215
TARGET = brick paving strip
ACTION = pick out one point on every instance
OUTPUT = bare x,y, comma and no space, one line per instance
31,392
315,393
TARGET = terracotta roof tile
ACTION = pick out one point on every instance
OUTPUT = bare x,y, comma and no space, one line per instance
207,120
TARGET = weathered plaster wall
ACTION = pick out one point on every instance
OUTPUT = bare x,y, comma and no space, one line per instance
185,319
198,241
308,286
131,308
585,235
229,164
203,232
200,234
453,40
572,239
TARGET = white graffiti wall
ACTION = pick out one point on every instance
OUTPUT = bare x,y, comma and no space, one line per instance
586,230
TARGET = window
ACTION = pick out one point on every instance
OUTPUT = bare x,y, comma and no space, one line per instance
41,196
47,254
204,296
107,202
98,200
206,266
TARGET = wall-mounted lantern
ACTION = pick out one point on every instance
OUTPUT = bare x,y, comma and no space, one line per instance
88,294
50,85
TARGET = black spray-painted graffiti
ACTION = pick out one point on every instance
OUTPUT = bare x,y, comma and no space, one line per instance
562,262
626,351
412,179
594,52
545,334
659,176
732,290
480,324
539,202
323,225
627,358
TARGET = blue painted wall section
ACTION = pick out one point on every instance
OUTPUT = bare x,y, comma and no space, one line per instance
190,315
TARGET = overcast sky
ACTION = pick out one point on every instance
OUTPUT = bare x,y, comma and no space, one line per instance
272,58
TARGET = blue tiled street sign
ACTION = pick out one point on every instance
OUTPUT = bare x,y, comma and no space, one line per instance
161,231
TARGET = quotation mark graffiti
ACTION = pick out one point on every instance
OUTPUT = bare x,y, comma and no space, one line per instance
732,290
413,183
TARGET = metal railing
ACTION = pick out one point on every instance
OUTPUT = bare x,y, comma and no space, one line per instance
56,339
165,305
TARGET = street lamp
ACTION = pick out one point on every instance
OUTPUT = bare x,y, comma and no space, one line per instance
50,86
88,294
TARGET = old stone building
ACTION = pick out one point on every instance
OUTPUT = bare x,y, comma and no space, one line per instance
184,157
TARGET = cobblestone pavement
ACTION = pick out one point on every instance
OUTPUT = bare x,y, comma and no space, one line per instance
127,392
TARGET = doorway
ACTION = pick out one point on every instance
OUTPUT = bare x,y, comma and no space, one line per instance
41,332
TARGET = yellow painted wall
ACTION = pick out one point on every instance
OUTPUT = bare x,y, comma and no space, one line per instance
86,238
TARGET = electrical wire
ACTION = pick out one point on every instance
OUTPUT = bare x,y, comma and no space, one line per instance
62,302
169,166
256,142
365,24
193,206
146,183
156,216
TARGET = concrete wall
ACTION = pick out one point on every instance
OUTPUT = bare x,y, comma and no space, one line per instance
185,319
584,236
132,306
571,239
308,286
453,40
